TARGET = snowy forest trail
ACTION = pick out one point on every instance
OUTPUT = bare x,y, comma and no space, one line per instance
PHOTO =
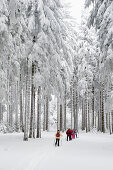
89,151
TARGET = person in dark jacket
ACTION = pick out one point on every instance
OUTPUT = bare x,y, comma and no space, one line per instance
69,133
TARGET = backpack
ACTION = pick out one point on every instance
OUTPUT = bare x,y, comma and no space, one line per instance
58,134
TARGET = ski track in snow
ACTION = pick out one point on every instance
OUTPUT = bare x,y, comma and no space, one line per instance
88,152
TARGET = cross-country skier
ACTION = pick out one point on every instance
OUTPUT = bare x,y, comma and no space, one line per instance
69,133
58,135
73,133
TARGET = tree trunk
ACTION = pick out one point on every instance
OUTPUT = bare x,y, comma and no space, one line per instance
47,113
11,107
44,116
8,95
21,103
88,118
110,123
103,126
58,113
1,114
34,114
98,122
39,113
1,120
95,121
16,108
29,94
106,120
100,116
61,117
65,109
74,112
93,107
76,118
26,106
32,103
71,101
86,113
83,115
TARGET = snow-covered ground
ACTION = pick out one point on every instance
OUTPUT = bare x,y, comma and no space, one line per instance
88,152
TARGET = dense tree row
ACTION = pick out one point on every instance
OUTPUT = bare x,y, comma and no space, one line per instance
101,19
92,77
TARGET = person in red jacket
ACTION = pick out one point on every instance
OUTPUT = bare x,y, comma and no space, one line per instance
69,133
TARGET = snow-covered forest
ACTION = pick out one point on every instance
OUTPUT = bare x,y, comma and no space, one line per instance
55,73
